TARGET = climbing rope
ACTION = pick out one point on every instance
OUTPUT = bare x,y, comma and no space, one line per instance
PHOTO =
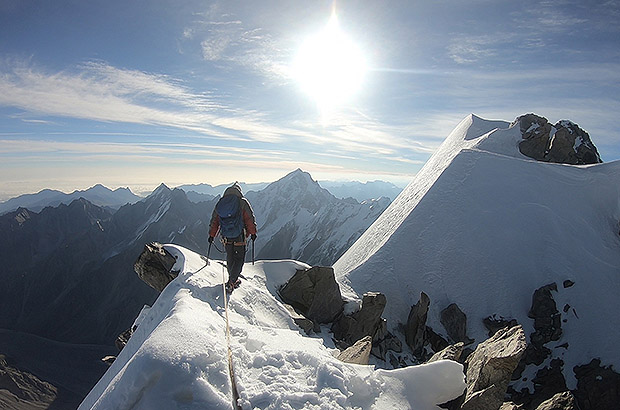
231,370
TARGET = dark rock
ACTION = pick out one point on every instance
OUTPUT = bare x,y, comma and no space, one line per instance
123,338
568,283
303,322
547,319
598,387
560,401
495,323
535,132
384,341
490,367
563,142
314,293
365,322
416,324
547,382
547,327
455,322
437,342
154,266
359,353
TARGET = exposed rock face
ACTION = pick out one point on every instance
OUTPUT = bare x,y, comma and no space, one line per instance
598,387
490,367
315,293
154,266
384,341
365,322
306,324
455,322
416,324
359,353
560,401
20,390
436,341
563,142
548,382
123,338
547,318
452,352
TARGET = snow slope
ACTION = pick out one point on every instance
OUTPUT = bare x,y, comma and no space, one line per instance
483,226
177,358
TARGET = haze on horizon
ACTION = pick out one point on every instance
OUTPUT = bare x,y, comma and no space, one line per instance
135,94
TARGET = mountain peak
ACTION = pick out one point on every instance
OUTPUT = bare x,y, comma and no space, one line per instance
162,189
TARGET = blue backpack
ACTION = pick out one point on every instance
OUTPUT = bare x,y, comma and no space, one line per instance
228,209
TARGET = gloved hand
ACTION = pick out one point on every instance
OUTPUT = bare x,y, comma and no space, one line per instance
253,236
210,239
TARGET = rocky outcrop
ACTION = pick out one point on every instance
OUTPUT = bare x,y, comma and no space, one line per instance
314,293
313,297
359,353
598,387
547,327
560,401
154,266
415,330
384,341
452,352
365,322
455,322
490,366
547,318
303,322
563,142
123,338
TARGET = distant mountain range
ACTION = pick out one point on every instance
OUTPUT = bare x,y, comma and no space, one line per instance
97,195
362,191
205,190
114,199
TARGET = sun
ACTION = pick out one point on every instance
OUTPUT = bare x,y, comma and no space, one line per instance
329,66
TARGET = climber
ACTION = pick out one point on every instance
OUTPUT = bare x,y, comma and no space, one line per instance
234,218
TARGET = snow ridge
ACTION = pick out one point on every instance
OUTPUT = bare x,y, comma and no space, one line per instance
177,356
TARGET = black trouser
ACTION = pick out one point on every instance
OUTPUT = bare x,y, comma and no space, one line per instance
235,256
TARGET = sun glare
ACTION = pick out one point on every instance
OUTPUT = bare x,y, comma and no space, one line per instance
330,66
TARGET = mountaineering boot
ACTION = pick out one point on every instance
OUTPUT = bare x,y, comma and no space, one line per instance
230,286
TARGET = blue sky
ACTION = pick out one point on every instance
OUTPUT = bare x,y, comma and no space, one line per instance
135,93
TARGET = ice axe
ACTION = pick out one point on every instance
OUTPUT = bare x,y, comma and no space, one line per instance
205,259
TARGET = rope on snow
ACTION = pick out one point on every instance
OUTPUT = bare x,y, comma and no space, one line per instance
231,370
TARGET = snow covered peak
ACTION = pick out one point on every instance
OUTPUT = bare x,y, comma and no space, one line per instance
297,180
161,190
298,187
480,218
